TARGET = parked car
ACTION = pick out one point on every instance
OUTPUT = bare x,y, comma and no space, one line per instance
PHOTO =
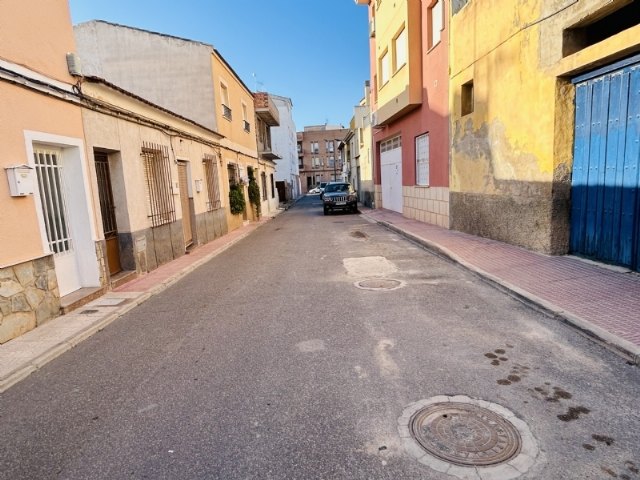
322,186
339,196
314,191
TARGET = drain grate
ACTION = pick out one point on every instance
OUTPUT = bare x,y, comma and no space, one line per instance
465,434
380,284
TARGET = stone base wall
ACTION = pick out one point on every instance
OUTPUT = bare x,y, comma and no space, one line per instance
377,196
536,223
211,225
29,296
427,204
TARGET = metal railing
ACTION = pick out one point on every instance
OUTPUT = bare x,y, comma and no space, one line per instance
226,112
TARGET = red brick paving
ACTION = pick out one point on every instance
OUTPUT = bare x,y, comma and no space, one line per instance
604,297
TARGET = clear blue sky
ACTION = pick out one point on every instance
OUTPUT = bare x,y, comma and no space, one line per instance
315,52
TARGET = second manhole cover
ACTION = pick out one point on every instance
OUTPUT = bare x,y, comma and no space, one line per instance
380,284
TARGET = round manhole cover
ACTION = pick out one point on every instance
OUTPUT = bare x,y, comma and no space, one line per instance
465,434
380,284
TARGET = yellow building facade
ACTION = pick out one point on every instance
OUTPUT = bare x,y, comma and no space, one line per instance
513,111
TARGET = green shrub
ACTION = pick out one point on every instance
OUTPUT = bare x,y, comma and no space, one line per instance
254,194
237,202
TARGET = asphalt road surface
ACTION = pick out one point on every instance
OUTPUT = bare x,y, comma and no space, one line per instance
269,362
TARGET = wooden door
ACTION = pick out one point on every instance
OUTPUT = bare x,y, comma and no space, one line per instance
108,211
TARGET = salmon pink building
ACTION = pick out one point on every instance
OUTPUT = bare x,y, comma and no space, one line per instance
409,105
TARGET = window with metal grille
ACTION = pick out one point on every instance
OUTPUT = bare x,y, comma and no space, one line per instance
157,169
213,181
273,187
54,209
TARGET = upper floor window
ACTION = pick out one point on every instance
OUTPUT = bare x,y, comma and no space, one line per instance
224,98
384,69
245,118
328,145
315,148
436,22
400,50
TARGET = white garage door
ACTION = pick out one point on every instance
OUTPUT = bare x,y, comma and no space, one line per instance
391,173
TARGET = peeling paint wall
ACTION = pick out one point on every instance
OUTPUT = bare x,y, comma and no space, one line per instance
511,155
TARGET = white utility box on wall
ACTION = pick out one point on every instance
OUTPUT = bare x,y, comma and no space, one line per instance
20,179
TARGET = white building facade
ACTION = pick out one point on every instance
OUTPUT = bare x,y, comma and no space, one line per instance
284,142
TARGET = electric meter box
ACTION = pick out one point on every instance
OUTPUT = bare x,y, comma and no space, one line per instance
20,179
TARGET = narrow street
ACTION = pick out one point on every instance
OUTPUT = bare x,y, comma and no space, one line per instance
270,362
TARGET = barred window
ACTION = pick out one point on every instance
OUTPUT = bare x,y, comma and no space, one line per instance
157,169
213,181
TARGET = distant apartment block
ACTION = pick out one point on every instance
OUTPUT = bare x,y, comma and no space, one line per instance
319,158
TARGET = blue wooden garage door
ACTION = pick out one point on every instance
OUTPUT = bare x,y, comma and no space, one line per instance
605,199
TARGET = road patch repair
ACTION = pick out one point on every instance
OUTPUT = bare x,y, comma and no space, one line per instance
371,271
467,438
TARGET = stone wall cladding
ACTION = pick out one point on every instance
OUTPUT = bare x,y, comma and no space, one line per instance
101,255
427,204
29,296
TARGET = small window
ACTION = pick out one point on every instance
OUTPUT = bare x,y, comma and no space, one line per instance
466,99
245,118
422,160
273,187
224,98
436,22
384,69
400,50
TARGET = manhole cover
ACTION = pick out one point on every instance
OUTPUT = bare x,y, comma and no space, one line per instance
465,434
467,438
380,284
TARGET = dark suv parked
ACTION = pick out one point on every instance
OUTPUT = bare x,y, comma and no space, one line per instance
339,196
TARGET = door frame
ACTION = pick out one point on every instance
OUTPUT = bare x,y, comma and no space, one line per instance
82,219
184,163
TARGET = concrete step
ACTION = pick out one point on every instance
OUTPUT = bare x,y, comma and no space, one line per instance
80,297
122,278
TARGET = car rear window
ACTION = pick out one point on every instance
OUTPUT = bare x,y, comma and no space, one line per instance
337,187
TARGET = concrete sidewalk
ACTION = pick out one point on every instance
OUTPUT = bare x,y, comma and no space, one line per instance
599,300
24,355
